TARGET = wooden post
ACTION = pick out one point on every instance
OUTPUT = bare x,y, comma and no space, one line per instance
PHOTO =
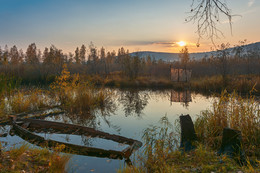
231,145
188,135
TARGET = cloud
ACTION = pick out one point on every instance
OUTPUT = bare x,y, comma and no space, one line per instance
251,2
165,44
143,43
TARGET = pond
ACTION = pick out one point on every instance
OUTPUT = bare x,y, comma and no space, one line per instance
132,111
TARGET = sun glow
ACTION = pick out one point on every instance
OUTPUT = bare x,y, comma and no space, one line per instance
181,43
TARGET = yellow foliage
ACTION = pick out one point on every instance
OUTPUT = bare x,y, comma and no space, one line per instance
75,95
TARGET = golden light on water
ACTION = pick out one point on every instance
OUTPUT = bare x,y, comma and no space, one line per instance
181,43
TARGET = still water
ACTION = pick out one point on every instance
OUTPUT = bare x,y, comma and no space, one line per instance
130,112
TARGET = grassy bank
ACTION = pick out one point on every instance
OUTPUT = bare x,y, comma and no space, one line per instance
68,92
161,152
212,84
26,159
72,93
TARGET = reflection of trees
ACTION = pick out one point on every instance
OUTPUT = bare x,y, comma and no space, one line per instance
134,101
91,118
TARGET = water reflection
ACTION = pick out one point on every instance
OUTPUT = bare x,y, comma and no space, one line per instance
134,102
181,96
128,113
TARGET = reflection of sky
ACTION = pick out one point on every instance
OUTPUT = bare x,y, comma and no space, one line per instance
130,126
157,107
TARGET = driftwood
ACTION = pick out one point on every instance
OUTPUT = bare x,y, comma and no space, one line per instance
231,145
188,135
24,127
37,115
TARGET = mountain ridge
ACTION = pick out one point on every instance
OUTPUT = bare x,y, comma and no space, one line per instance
169,57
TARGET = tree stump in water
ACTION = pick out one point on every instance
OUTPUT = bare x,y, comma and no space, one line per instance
231,145
188,135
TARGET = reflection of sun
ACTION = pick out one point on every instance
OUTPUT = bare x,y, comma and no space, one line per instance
181,43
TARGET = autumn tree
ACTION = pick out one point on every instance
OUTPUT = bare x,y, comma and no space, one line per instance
103,59
5,56
184,57
77,58
14,55
136,65
31,55
82,54
21,56
93,58
70,57
1,55
110,60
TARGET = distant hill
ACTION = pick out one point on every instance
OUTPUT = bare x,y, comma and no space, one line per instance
169,57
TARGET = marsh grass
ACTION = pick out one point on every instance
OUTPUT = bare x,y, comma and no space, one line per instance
233,111
240,83
26,159
26,101
161,152
78,96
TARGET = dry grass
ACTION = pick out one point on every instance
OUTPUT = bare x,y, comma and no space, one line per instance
234,111
77,95
24,101
161,155
26,159
230,110
242,84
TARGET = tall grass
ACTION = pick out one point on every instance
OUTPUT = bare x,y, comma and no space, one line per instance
234,111
26,159
78,96
242,84
24,101
161,154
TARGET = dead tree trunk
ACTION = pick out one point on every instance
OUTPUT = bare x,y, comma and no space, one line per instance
231,145
188,135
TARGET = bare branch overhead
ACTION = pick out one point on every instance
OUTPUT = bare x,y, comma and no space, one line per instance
206,14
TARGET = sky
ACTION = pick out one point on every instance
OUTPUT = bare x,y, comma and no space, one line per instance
137,25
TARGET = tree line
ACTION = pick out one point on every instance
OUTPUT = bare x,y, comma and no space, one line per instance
36,67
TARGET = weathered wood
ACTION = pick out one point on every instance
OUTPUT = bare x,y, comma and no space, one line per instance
180,75
77,130
188,135
232,145
71,148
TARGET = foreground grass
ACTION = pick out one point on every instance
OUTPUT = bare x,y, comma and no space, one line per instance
161,152
25,159
234,111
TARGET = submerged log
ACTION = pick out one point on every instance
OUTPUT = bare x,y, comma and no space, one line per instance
232,145
188,135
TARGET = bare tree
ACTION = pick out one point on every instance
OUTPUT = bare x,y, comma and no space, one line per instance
206,13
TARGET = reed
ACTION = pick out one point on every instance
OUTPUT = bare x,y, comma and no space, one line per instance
27,100
161,152
234,111
77,95
26,159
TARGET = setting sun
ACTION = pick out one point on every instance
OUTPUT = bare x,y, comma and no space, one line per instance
181,43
